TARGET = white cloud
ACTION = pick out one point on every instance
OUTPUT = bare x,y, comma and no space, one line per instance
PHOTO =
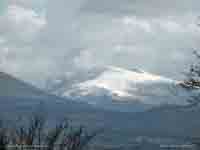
134,22
19,27
19,23
131,40
152,35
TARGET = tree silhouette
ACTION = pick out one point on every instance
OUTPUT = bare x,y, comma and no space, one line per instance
34,131
192,81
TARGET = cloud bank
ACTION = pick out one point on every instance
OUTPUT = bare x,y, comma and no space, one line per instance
40,38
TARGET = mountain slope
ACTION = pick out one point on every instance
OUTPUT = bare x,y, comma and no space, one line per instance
20,98
120,127
13,87
122,83
113,86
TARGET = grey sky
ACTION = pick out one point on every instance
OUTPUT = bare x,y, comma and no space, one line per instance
52,37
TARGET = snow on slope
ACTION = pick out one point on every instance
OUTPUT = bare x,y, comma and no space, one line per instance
117,85
120,81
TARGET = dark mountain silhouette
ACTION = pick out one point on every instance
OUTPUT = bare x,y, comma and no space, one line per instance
13,87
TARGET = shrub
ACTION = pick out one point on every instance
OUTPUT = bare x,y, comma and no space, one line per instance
31,132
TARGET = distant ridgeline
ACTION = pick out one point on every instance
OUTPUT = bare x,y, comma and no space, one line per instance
13,87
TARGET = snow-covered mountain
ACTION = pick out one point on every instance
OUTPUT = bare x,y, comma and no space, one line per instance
117,87
18,98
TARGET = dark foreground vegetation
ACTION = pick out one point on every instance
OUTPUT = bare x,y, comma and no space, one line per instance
35,133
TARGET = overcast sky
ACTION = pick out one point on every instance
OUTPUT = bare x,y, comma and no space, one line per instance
42,38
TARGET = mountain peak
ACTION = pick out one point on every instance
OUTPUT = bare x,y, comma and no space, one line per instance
121,82
135,75
110,85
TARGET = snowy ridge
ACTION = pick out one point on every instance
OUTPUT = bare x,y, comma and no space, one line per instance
120,81
117,88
